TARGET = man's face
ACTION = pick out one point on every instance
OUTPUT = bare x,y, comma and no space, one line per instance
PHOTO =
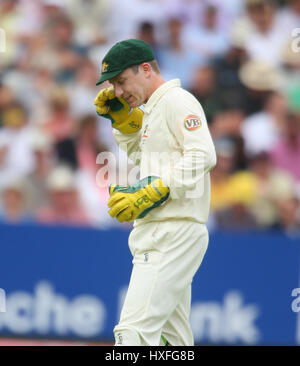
131,87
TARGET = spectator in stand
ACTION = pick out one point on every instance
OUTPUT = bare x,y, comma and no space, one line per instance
64,206
286,152
92,187
6,99
59,123
91,20
52,9
236,217
125,18
260,80
193,11
206,39
227,68
229,186
188,10
43,85
228,123
175,54
232,193
55,49
146,32
261,130
289,216
35,183
83,89
16,156
87,144
13,208
267,33
243,25
10,20
273,186
205,89
20,79
59,126
289,16
68,52
32,19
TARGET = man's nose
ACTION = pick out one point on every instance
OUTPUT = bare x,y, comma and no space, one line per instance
118,91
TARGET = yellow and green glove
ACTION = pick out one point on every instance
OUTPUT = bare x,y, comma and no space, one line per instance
123,118
135,202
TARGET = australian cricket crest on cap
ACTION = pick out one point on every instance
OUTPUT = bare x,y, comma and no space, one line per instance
192,122
104,66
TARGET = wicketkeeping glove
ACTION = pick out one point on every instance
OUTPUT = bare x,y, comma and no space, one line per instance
123,118
135,202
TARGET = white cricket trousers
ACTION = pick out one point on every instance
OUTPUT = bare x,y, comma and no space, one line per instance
166,256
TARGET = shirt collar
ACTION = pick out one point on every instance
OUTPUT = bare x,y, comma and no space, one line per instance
159,92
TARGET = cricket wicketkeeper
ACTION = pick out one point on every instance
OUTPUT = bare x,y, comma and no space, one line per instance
171,144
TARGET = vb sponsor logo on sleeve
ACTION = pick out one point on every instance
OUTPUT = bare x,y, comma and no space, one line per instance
192,122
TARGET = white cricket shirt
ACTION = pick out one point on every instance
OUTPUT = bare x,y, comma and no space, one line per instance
174,144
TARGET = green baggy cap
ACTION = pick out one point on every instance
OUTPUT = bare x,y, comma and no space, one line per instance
123,55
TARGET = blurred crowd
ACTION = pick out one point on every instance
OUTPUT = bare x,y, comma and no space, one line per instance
240,58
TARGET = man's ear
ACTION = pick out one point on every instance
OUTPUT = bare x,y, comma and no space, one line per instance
146,67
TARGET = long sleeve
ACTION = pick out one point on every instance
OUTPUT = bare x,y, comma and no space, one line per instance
129,144
186,121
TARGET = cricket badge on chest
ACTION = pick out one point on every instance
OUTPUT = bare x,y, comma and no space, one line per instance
192,122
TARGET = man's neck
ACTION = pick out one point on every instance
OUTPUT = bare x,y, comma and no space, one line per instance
158,81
